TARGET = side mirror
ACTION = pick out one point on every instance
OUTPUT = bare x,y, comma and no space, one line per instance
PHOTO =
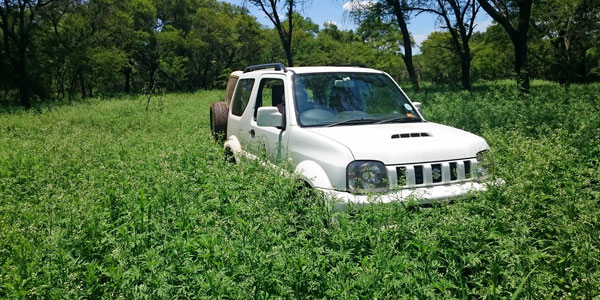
269,116
418,105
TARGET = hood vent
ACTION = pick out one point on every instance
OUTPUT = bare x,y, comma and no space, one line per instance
410,135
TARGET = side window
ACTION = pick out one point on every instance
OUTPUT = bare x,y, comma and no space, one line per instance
241,96
270,93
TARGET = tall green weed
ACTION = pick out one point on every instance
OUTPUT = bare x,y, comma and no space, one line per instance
104,199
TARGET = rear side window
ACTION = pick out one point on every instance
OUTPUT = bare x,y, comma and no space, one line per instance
241,96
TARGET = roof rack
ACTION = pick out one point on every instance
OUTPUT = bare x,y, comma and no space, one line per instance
276,66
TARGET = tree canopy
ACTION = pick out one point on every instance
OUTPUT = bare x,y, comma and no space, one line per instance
65,49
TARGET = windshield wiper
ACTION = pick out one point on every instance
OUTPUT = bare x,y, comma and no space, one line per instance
352,121
403,119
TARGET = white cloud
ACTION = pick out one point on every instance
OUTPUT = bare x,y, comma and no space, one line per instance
330,23
353,5
483,25
419,38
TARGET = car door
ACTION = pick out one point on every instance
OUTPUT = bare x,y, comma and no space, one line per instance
270,142
239,111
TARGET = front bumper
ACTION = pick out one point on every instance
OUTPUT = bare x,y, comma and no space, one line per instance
422,195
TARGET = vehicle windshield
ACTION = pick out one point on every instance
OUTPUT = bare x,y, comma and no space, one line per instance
332,99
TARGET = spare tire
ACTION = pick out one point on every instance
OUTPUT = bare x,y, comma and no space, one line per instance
218,120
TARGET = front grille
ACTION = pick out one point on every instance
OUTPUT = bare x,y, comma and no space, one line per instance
418,174
467,168
401,175
453,171
434,173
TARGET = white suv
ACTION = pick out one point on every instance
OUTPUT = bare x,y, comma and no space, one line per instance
350,132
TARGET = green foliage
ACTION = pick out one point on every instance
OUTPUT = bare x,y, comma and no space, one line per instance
101,199
106,66
332,46
493,54
492,57
182,46
438,59
593,62
565,31
76,49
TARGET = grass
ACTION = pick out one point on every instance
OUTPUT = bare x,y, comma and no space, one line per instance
102,199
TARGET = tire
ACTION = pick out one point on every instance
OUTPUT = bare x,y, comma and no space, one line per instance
218,120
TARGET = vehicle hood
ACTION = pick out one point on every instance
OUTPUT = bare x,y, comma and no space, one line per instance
388,142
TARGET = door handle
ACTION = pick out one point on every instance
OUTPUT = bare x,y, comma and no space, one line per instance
252,133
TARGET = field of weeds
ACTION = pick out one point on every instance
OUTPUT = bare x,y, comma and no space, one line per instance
103,199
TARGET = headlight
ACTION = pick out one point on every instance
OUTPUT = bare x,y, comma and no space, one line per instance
366,176
485,166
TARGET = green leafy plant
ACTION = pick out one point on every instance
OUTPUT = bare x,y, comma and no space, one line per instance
103,199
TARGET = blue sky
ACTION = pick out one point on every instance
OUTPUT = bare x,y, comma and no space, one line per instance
321,11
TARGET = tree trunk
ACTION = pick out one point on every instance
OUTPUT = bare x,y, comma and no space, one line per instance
82,85
411,71
518,37
286,42
127,73
72,79
288,54
152,73
581,72
286,37
521,66
23,78
465,76
61,83
290,16
90,90
204,75
24,91
465,62
408,57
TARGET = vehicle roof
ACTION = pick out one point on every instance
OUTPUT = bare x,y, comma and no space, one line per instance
322,69
319,69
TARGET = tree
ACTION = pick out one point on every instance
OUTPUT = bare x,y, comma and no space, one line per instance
438,58
382,36
492,57
191,32
270,7
144,43
332,46
399,12
85,46
458,17
503,12
570,29
385,41
66,48
20,22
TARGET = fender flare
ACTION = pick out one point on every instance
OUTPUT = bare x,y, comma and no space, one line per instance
313,174
233,144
